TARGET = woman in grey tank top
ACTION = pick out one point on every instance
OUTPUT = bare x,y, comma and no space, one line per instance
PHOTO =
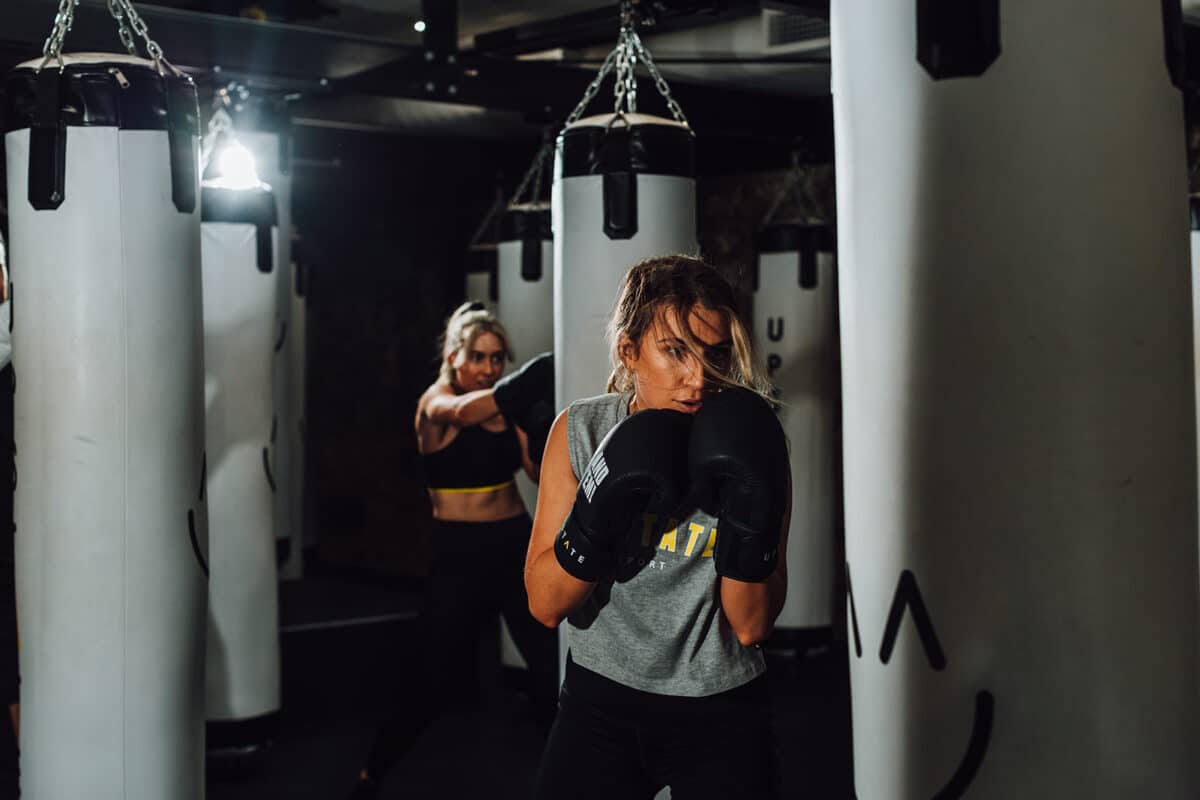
664,683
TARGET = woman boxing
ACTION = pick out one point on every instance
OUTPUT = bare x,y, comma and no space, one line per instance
474,431
659,538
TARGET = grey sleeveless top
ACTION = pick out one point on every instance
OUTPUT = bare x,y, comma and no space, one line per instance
660,629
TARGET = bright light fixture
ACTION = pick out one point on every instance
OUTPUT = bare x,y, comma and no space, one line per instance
419,26
236,167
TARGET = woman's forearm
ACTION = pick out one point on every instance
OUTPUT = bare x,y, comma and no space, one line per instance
751,608
553,594
462,410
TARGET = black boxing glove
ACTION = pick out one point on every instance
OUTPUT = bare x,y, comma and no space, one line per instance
641,466
526,397
738,462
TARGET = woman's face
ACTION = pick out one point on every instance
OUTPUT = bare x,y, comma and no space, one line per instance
479,364
667,374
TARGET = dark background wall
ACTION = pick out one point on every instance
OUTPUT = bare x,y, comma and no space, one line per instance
384,222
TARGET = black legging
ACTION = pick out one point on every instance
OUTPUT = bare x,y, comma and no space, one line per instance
477,573
611,741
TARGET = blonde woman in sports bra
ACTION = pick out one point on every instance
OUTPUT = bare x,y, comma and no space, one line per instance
474,431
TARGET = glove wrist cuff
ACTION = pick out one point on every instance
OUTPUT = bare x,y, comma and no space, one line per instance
578,556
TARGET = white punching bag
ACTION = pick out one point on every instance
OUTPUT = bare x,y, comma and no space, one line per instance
111,523
239,338
1020,467
795,328
297,347
525,296
622,193
480,279
272,160
525,306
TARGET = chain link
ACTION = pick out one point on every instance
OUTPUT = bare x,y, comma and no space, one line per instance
593,88
624,59
114,8
52,49
129,25
625,89
533,175
660,83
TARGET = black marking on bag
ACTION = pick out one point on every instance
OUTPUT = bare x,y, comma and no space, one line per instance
196,542
908,595
203,475
282,335
775,329
981,737
858,649
267,469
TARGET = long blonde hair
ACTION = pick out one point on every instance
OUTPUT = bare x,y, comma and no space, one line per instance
468,322
678,284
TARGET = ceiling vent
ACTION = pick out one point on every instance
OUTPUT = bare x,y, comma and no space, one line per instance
785,32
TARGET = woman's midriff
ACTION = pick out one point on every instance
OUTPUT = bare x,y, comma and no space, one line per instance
489,505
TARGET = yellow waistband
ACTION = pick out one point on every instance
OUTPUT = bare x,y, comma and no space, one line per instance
472,489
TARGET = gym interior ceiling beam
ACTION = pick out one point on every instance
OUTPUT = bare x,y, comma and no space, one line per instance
602,24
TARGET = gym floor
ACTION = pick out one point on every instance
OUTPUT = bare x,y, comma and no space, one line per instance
347,665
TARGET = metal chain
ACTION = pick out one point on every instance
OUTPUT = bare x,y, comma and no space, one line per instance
624,59
625,90
52,49
660,83
138,25
114,8
219,122
593,88
533,175
795,180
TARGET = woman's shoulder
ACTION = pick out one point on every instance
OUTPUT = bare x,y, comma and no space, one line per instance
599,403
588,420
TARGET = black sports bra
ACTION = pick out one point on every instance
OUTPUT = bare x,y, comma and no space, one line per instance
476,460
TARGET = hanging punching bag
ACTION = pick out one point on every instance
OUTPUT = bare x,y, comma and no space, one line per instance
525,300
795,327
109,418
624,190
297,347
1020,465
272,158
239,343
525,306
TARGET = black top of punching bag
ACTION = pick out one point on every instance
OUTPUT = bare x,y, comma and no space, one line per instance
254,206
101,89
1194,207
795,237
642,144
518,224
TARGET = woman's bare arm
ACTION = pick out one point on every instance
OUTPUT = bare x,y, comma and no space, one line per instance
751,608
443,407
526,462
553,594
